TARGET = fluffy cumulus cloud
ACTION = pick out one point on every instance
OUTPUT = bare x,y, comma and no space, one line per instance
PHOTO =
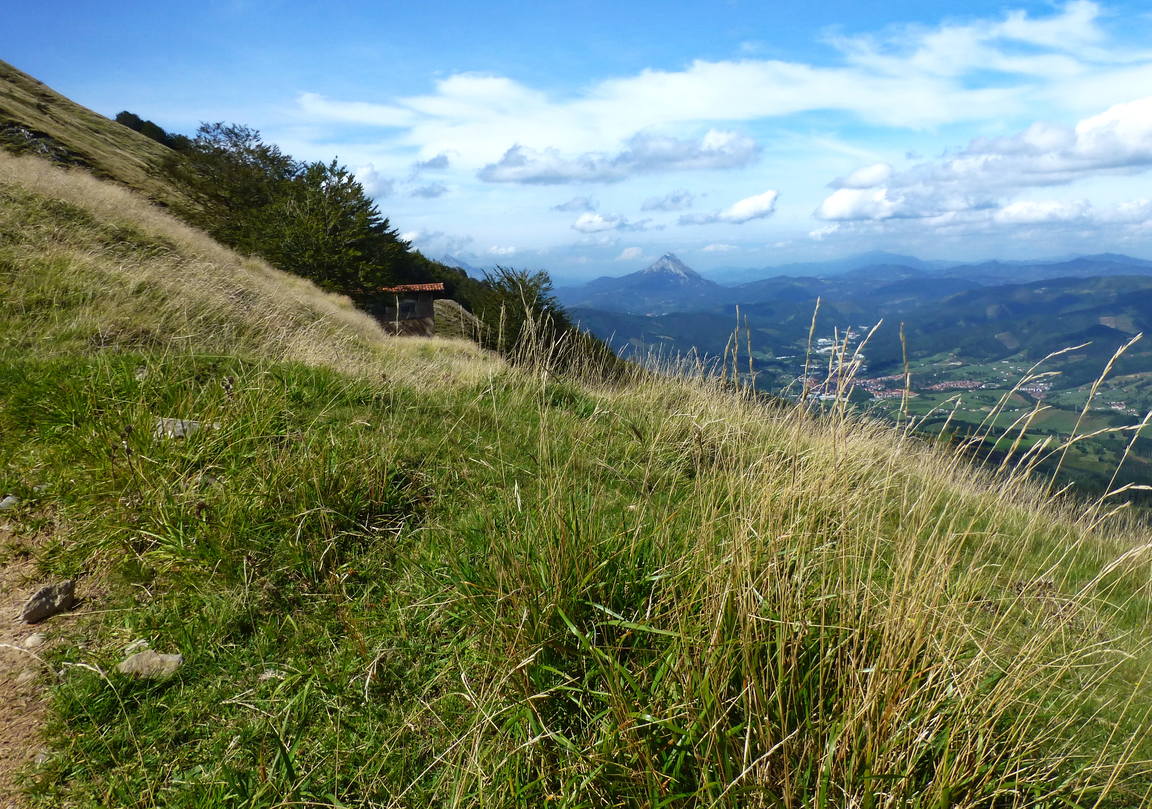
989,172
430,191
678,200
375,185
643,153
577,204
866,177
759,206
630,254
601,223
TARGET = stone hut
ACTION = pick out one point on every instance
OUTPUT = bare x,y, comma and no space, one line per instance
408,309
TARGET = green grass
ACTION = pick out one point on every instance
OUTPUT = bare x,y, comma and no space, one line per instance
402,573
381,592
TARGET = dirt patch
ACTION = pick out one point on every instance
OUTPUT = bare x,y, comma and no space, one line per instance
23,677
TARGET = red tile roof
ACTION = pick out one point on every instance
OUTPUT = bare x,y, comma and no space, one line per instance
437,287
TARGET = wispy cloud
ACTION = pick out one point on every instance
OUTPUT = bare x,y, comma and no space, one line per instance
912,77
643,154
678,200
577,204
430,191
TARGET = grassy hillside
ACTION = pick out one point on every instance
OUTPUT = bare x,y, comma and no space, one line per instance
35,119
402,573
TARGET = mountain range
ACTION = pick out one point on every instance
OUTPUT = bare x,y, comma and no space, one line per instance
978,313
668,285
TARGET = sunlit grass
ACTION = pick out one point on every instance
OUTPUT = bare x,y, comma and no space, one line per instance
403,573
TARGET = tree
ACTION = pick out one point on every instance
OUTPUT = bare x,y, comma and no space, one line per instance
325,227
232,178
152,130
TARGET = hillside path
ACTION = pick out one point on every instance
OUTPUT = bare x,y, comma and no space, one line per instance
23,696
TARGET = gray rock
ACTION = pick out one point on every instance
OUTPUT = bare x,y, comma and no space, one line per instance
35,640
9,502
150,665
178,428
48,601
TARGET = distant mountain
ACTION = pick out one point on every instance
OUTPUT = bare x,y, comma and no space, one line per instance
1099,265
666,285
821,269
461,264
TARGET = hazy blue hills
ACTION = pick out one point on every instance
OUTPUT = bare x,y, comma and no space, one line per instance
741,275
894,284
976,313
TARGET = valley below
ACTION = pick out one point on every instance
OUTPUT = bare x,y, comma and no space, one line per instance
1004,356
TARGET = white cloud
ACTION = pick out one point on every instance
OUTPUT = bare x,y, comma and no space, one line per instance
914,76
643,153
437,241
1029,212
990,171
755,207
630,254
678,200
596,223
758,206
600,223
866,177
374,184
496,250
718,248
856,203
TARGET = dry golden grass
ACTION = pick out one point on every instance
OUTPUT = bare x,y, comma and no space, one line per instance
109,149
126,271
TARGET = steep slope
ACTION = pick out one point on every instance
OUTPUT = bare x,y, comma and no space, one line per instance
86,264
400,572
35,119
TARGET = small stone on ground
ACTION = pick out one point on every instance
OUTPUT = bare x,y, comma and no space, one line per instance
181,428
48,601
150,665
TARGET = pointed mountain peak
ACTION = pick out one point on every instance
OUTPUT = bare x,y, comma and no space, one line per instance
668,264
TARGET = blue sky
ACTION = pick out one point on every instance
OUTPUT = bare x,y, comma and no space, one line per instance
588,138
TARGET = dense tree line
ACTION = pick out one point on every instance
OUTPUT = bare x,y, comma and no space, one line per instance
152,130
315,219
